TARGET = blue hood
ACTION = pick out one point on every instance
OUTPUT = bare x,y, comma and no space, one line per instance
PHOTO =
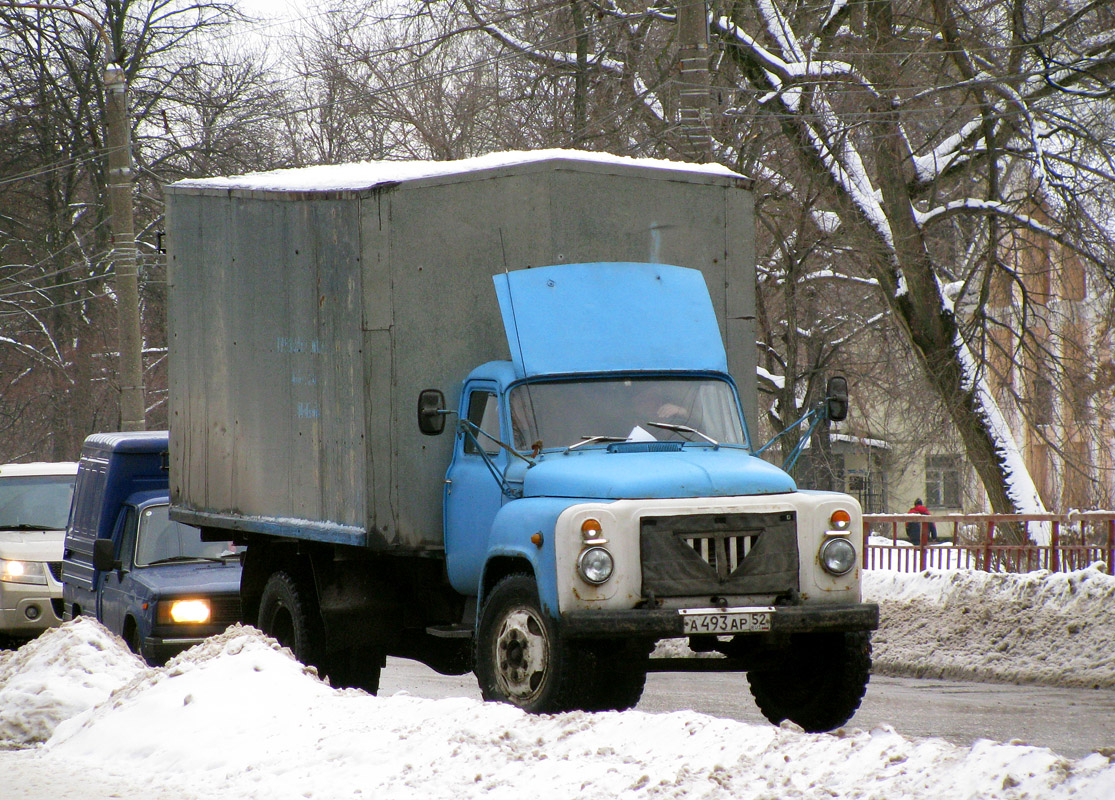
609,317
691,472
190,577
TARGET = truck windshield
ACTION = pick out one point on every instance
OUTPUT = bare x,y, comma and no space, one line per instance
562,413
161,539
35,502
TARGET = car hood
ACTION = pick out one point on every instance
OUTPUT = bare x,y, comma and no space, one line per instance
190,578
32,545
618,473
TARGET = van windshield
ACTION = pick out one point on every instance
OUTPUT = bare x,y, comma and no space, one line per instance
161,540
35,502
562,413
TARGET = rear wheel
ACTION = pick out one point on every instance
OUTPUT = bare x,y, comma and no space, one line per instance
819,685
520,658
288,613
355,669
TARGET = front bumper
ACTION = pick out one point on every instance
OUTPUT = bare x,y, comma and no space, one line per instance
160,649
657,623
26,610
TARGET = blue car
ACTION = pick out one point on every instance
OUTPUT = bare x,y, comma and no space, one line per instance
145,577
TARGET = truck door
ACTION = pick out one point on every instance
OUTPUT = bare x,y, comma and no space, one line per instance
112,593
473,494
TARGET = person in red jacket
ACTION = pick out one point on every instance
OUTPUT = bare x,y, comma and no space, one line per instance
913,529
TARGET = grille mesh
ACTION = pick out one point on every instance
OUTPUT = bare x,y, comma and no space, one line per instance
718,554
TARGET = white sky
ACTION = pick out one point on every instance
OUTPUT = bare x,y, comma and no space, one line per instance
237,718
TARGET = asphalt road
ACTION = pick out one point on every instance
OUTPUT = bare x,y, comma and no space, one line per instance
1071,722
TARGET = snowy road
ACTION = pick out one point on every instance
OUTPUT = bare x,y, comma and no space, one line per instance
1072,722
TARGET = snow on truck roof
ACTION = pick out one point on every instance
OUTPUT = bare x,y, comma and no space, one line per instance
365,175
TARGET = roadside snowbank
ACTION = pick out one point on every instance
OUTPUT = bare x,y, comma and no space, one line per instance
63,672
1054,629
237,717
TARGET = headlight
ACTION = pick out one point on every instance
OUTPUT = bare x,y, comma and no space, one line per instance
187,611
23,572
838,556
595,565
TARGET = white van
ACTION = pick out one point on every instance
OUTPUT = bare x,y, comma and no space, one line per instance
34,507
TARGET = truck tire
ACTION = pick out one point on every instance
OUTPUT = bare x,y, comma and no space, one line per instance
520,657
819,685
619,676
131,638
288,613
354,669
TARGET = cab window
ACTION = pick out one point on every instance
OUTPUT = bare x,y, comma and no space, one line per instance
483,411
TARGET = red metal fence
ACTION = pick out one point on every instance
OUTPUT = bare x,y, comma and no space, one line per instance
991,542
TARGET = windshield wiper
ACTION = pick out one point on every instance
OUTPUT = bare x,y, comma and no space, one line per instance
177,559
596,440
25,526
669,426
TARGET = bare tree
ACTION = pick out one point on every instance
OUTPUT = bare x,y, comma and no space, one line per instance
56,304
939,144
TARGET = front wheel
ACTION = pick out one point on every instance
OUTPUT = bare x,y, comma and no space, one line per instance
819,685
520,658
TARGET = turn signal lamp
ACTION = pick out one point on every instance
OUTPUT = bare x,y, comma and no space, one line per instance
591,529
840,520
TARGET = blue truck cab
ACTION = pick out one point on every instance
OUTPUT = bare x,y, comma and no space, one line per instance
603,485
148,579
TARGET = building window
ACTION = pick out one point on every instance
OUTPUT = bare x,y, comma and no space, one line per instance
942,481
1042,400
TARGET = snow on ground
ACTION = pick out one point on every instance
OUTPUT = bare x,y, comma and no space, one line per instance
1054,629
238,717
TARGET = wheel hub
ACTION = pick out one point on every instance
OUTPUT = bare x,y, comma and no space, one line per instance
522,655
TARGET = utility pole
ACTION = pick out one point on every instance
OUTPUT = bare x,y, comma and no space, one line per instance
696,99
121,178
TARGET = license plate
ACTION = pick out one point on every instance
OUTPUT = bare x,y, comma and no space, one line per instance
727,621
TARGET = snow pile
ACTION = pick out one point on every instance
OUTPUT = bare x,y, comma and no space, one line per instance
64,671
1038,627
237,717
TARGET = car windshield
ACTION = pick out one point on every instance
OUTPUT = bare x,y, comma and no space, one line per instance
562,413
161,539
35,502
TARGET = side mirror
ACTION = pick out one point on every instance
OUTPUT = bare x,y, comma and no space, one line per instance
431,412
836,398
103,559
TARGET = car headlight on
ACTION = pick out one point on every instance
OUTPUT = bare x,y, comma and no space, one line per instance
838,556
595,565
23,572
187,611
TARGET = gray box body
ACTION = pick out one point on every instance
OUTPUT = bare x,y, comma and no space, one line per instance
305,322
